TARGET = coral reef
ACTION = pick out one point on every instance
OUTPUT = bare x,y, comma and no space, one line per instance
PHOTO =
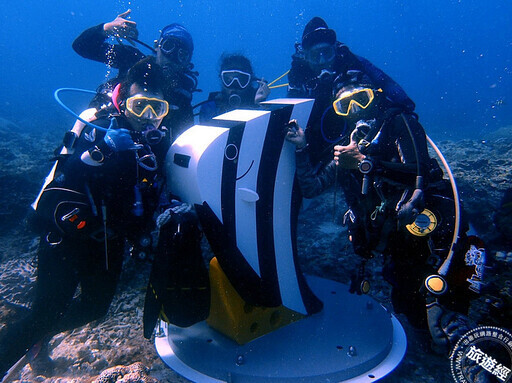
134,373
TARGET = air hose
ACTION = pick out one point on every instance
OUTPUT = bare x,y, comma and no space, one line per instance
59,101
443,270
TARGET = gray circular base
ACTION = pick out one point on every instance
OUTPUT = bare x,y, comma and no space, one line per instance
353,339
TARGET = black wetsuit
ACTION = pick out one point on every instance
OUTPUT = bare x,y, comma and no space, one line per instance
373,219
71,215
323,130
92,44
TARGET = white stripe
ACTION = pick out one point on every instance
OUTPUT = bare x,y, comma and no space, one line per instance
286,272
285,263
249,157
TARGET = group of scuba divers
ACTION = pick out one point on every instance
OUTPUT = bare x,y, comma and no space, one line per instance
107,186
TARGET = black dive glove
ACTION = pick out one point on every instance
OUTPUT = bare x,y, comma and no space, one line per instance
446,327
119,140
408,212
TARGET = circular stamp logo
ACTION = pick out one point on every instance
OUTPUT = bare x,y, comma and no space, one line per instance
483,354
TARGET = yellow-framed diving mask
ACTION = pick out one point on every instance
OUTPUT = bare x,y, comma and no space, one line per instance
362,97
141,106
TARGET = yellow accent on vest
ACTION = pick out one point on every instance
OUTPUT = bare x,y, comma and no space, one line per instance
424,224
435,284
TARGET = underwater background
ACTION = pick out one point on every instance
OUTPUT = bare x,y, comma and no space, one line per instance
453,57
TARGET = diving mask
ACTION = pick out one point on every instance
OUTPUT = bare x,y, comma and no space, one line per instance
229,77
141,106
320,54
361,97
172,48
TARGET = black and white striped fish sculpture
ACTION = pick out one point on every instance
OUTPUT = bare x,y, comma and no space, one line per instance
238,170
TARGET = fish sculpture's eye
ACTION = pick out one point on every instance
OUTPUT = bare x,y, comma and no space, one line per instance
231,152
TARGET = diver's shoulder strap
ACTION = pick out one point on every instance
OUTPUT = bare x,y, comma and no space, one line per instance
68,148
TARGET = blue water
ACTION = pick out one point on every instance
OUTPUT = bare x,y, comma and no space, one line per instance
454,58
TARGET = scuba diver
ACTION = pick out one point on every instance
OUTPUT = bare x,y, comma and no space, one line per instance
240,88
400,208
173,52
101,194
319,65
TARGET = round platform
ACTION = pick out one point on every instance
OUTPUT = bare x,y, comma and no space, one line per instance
353,339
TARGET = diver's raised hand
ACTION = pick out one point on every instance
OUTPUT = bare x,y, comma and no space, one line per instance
348,156
262,92
122,27
295,134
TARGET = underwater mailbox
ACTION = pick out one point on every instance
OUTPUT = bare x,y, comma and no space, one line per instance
238,171
268,322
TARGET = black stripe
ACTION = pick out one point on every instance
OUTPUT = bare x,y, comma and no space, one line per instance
241,275
270,157
271,153
311,301
222,238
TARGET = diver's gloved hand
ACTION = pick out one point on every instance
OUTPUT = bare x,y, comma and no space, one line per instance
295,134
120,140
446,327
412,208
348,156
